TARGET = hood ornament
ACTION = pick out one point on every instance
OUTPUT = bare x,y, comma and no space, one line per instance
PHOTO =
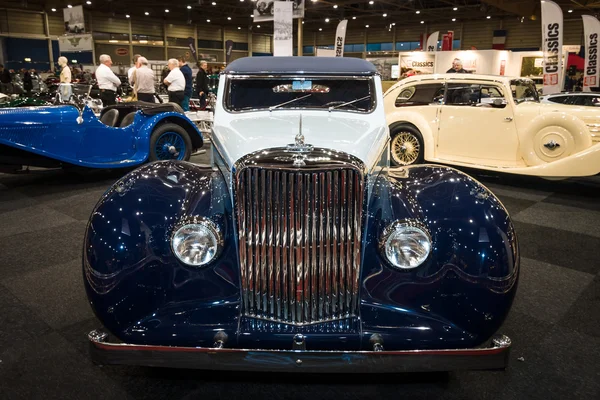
299,147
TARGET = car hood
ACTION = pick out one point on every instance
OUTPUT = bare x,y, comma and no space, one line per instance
363,136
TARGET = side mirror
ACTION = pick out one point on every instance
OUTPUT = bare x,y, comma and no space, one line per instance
498,103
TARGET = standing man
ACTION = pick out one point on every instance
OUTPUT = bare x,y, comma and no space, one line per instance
143,81
27,81
175,82
189,82
65,71
107,81
130,71
457,67
5,80
202,83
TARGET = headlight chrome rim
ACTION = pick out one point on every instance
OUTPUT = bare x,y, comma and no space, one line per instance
399,226
197,224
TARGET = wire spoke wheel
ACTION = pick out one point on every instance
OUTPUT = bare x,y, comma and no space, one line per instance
170,146
405,148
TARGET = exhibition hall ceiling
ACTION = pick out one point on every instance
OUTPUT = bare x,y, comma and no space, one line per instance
319,12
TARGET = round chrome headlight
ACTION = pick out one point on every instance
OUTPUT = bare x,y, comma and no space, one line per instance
405,244
198,243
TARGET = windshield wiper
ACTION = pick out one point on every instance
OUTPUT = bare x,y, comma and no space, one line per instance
288,102
348,103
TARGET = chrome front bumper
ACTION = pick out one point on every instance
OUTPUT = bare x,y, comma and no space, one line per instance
493,357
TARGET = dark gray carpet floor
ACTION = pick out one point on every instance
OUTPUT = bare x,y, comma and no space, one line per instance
44,317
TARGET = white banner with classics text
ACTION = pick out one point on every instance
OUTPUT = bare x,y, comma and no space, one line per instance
552,39
432,41
340,38
73,43
591,32
282,29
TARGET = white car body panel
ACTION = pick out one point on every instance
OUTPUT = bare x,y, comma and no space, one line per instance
363,135
509,139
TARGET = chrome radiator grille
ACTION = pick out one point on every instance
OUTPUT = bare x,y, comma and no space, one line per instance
299,243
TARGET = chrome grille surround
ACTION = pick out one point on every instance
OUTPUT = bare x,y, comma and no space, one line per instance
299,234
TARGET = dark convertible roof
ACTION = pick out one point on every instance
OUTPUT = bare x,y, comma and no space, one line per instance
301,65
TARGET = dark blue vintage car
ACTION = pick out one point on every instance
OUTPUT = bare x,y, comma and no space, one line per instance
122,136
299,248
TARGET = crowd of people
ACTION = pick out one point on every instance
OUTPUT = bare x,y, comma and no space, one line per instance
177,79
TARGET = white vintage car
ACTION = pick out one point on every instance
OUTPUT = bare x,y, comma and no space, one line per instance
490,122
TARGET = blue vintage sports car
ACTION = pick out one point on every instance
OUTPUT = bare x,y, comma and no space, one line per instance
124,135
299,249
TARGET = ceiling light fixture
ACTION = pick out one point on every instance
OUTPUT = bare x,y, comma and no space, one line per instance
371,2
89,3
189,7
166,10
366,26
353,17
422,22
69,6
258,26
208,20
127,16
326,19
335,6
228,18
146,13
453,19
570,11
54,10
455,9
239,27
384,15
417,12
488,17
214,3
320,29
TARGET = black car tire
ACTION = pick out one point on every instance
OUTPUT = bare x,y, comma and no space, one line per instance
169,127
408,138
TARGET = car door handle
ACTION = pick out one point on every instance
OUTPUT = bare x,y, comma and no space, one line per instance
508,119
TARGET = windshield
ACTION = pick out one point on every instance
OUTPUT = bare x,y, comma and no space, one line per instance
524,90
326,93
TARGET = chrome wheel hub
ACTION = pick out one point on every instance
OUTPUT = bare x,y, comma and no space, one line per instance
405,148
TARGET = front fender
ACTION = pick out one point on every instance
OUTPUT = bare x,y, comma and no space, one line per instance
135,285
420,122
148,126
462,293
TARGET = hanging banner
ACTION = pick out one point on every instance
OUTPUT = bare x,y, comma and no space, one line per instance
192,47
340,38
74,21
447,41
228,48
73,43
264,10
591,32
282,28
552,38
432,41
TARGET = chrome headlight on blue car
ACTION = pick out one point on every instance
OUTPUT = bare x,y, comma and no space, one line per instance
197,244
405,244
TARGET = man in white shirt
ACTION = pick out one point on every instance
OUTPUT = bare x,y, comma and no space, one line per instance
175,82
107,81
130,71
65,71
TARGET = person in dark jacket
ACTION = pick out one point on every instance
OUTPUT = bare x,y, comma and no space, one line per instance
189,82
5,80
457,67
27,81
202,83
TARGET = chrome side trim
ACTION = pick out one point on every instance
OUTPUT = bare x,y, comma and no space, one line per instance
495,356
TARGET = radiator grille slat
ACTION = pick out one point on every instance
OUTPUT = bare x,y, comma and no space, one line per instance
299,237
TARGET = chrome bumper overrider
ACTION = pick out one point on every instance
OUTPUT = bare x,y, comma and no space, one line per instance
493,357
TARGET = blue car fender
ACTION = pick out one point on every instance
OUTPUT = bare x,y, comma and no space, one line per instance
145,132
462,292
134,282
